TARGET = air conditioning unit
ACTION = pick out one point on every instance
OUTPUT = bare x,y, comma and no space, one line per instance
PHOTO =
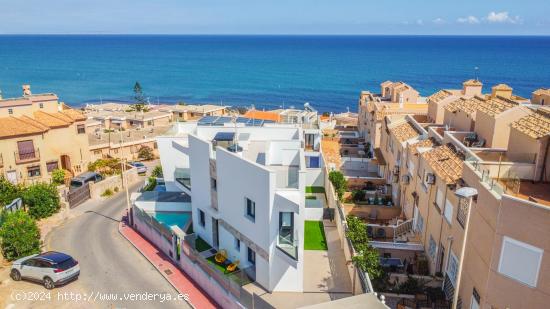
430,179
406,179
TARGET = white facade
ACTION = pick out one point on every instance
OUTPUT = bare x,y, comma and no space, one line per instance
267,172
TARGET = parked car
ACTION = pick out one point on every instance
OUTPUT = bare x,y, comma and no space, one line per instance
84,178
141,168
50,268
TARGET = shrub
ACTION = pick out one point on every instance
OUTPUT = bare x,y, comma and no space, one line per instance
107,167
146,153
19,236
116,189
157,171
8,191
367,258
358,195
151,184
108,192
58,176
339,182
42,200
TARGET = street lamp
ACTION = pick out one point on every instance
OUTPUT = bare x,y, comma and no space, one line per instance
125,181
467,193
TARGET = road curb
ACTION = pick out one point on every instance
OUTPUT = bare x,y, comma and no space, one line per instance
156,267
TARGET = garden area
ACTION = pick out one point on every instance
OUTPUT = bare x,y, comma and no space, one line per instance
314,236
19,232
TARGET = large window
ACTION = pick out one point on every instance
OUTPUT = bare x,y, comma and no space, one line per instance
448,211
251,256
251,209
452,268
202,219
286,234
520,261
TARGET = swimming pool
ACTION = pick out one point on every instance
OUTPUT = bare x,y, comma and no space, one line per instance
169,218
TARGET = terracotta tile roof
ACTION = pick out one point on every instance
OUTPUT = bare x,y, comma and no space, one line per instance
262,115
425,143
469,106
438,96
495,106
12,126
502,87
73,114
542,91
404,131
32,122
472,82
445,163
50,119
536,125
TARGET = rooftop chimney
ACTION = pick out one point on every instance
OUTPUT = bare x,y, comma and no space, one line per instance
26,90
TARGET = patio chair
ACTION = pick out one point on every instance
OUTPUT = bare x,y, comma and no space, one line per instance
221,256
373,214
231,267
371,200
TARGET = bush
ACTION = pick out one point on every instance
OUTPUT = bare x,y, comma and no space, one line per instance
107,167
339,182
116,189
8,191
358,195
367,258
19,236
42,200
157,172
151,184
146,153
58,176
107,193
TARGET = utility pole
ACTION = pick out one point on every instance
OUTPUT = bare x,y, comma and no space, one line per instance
125,181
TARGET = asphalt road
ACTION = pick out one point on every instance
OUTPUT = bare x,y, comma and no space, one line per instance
109,264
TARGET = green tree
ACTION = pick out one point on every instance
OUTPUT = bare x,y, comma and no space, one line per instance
146,153
138,93
339,182
357,230
42,200
58,176
368,260
19,236
8,191
157,171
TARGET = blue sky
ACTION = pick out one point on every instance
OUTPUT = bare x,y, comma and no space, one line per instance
275,17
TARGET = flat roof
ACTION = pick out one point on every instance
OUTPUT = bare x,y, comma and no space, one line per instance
164,197
222,120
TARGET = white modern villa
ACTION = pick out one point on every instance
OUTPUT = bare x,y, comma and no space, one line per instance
247,183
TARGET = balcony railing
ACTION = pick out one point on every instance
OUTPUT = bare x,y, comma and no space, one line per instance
27,156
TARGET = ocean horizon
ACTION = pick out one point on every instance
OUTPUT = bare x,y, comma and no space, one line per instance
267,71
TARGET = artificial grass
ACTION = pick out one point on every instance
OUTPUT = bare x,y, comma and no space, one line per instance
311,197
314,235
201,245
315,189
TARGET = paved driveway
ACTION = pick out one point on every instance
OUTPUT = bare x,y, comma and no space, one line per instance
110,266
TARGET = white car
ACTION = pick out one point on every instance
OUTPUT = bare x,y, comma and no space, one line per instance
50,268
141,168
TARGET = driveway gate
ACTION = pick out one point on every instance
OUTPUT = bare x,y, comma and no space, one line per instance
77,196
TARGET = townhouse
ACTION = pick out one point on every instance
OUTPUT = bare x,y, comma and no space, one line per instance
31,128
247,181
496,144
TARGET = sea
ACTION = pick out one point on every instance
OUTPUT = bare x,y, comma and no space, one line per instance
264,71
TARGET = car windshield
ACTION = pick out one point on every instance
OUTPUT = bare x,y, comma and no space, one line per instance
76,183
68,263
138,164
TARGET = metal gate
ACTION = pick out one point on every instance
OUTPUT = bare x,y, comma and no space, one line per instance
78,196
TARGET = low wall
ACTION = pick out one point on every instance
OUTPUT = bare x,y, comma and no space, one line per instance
112,182
314,214
207,283
314,177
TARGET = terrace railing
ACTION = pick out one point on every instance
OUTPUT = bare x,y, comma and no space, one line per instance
152,222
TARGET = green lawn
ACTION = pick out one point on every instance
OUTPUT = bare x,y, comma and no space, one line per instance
315,190
314,236
201,245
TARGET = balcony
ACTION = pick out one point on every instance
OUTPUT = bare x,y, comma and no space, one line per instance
27,156
183,177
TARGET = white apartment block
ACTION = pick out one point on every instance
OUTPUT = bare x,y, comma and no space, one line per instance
247,183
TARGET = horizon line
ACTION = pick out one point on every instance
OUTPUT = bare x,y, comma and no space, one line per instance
272,34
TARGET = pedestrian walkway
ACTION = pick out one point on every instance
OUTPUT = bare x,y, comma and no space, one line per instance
177,278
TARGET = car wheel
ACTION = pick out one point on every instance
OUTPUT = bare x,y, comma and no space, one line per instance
15,275
48,283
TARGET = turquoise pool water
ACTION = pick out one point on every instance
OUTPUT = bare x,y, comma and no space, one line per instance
169,218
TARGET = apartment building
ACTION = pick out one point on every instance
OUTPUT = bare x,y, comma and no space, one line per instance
31,128
395,98
127,120
247,183
193,112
